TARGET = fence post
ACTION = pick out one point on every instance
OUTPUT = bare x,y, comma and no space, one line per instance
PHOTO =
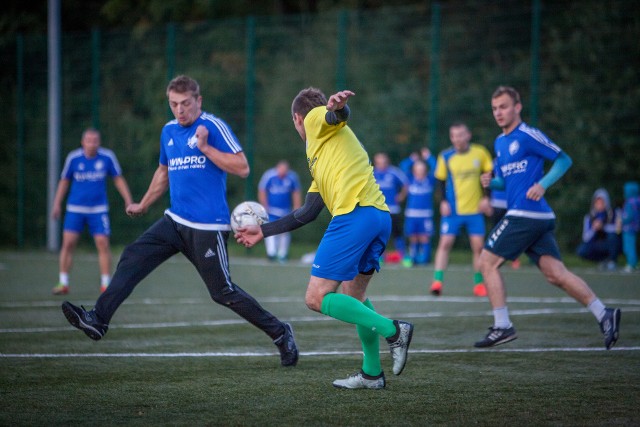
54,121
171,58
250,96
341,60
434,76
20,139
95,78
535,61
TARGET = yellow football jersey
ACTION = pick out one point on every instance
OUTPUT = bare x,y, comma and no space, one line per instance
339,166
462,171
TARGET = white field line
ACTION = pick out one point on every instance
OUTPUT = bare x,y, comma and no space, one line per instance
300,319
303,353
300,299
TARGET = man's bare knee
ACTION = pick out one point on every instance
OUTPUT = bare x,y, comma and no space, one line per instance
313,304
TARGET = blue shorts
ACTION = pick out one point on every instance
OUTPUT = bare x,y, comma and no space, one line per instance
352,244
98,223
514,235
413,226
473,223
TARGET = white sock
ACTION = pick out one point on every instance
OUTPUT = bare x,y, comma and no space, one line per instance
105,279
64,279
597,308
501,318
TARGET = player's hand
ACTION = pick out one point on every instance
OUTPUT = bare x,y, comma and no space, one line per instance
136,209
55,212
535,192
202,134
484,206
445,208
248,236
337,101
485,179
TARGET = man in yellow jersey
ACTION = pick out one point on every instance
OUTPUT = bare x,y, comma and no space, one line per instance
463,203
348,254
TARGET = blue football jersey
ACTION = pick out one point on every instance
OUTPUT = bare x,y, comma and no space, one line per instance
88,176
520,158
420,197
391,181
197,186
279,191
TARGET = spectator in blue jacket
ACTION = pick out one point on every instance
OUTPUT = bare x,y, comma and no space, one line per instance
600,232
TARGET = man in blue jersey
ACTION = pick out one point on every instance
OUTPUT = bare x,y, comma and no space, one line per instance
349,252
528,225
418,214
197,150
393,184
84,176
279,193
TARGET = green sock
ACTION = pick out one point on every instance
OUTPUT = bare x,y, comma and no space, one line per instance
438,275
350,310
370,347
477,278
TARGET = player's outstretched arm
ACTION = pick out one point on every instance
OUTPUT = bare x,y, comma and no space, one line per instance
157,187
123,189
308,212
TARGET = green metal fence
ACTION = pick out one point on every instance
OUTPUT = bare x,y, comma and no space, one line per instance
414,70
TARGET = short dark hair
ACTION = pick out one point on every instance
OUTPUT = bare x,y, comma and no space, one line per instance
90,130
306,100
184,84
459,124
501,90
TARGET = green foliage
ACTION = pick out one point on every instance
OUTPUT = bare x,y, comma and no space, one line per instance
588,99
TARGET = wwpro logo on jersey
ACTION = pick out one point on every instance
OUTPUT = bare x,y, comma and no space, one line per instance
514,167
187,162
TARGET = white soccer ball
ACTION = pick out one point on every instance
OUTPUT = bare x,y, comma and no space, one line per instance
248,213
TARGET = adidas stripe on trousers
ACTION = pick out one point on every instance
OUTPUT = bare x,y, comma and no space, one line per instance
206,250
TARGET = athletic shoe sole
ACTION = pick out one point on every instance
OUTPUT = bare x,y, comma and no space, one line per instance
76,321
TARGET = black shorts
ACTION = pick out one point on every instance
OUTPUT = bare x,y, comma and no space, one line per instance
514,235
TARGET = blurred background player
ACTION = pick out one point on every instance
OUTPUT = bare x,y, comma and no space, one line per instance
418,215
463,202
393,184
529,223
423,154
630,224
279,193
84,176
601,229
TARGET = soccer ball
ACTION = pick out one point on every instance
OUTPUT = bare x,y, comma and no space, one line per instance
248,213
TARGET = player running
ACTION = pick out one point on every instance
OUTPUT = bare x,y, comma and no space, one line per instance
528,225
